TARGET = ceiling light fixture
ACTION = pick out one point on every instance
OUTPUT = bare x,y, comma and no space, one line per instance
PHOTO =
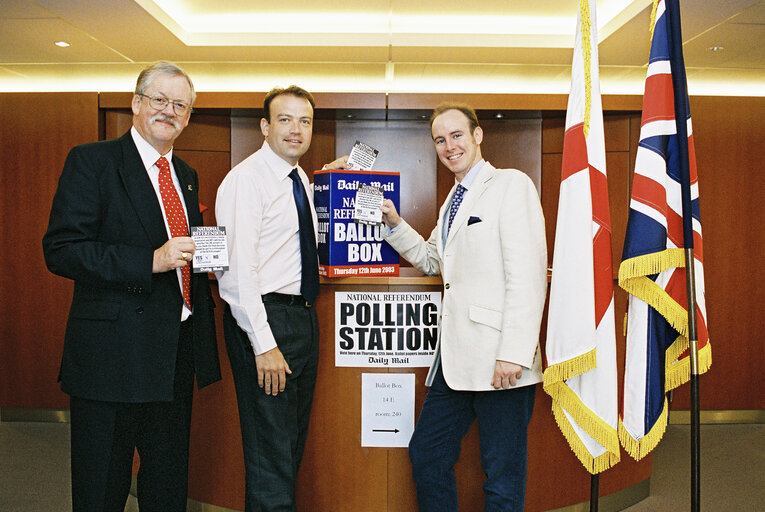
716,48
62,44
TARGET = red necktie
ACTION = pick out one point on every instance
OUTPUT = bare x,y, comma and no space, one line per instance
176,218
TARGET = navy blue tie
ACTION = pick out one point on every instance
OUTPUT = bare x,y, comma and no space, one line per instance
309,260
456,201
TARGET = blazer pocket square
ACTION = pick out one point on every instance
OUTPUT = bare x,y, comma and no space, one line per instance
473,220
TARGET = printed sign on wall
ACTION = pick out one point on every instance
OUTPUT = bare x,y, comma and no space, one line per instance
387,409
379,329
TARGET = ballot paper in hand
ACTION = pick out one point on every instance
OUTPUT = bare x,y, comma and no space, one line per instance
368,201
362,157
212,250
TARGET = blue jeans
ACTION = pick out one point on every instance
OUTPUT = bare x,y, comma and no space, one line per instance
446,416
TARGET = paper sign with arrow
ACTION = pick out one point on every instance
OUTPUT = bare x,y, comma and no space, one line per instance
387,409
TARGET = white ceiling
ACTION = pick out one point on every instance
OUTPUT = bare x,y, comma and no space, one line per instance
458,46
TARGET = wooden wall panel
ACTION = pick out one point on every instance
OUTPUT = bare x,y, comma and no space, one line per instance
728,134
117,123
38,130
514,144
551,170
617,163
206,133
211,167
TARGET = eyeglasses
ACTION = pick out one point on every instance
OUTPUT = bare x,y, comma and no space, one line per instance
160,103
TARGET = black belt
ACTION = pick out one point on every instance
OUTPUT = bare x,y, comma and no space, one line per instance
289,300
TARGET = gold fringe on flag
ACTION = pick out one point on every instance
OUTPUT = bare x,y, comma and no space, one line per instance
639,448
570,368
584,16
633,279
678,371
564,398
653,18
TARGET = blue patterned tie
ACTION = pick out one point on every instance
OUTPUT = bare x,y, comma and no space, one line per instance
309,261
456,200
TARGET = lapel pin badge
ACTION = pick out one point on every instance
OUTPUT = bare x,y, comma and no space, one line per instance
189,187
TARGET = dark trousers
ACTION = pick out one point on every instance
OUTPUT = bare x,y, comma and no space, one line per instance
106,434
274,428
503,417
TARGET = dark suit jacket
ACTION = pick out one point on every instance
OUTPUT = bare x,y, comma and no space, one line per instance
123,327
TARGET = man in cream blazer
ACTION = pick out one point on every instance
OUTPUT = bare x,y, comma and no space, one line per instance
489,247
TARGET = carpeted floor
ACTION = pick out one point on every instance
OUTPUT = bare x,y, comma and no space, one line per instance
34,469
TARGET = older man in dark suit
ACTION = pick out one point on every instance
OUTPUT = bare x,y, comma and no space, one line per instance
141,324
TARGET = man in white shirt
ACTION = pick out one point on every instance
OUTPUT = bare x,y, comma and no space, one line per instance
270,324
489,247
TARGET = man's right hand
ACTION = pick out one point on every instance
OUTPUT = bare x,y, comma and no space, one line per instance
390,216
272,371
177,252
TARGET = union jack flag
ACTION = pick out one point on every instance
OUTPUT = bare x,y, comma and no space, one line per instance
663,220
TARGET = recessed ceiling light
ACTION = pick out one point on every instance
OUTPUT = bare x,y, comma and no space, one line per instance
498,115
62,44
716,48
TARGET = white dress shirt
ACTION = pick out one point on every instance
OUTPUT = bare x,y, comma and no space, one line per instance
256,205
149,157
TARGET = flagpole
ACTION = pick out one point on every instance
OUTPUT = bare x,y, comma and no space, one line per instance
594,492
690,281
681,119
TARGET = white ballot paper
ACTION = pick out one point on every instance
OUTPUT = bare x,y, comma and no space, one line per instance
387,409
362,157
212,251
368,201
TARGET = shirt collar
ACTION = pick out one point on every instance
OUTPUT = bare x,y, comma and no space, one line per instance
280,168
472,173
149,155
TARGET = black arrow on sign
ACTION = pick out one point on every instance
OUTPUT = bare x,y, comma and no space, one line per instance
394,430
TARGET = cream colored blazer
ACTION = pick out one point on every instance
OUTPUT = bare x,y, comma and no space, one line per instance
493,265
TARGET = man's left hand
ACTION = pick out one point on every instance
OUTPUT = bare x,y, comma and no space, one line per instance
506,374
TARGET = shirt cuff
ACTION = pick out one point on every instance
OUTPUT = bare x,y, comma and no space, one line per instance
262,341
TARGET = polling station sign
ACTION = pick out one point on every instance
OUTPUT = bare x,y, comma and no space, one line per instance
386,329
347,247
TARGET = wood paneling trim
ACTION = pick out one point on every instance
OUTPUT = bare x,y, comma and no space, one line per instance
324,100
330,100
507,101
480,101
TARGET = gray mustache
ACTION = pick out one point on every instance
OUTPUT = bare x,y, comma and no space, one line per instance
163,117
